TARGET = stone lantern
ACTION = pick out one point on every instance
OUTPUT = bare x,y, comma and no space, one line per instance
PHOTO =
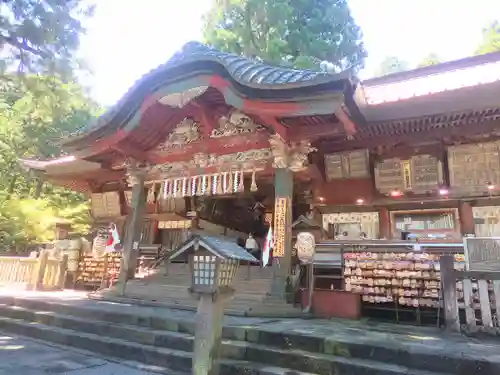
213,262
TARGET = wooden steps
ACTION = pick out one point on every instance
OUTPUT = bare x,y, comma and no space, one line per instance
170,287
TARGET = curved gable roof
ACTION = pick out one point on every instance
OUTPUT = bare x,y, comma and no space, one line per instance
249,78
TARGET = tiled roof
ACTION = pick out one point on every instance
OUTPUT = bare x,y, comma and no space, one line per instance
468,72
244,71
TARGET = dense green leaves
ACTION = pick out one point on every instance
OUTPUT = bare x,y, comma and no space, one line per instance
430,59
491,39
299,33
36,113
391,64
41,36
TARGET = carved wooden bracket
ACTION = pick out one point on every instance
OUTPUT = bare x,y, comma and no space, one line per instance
293,156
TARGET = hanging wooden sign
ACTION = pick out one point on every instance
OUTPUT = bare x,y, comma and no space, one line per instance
179,224
280,226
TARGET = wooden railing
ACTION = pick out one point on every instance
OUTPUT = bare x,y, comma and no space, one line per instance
39,273
481,298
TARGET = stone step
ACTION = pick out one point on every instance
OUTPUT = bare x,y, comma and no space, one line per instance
176,360
163,348
262,346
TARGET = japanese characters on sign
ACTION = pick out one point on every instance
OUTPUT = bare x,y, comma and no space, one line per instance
280,223
180,224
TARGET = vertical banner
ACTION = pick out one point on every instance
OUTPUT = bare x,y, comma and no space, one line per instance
281,208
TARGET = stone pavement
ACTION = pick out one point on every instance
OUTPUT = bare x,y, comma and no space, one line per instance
30,357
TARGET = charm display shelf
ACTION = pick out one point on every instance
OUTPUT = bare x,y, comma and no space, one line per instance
408,279
397,280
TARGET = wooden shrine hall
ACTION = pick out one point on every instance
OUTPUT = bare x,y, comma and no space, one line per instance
216,142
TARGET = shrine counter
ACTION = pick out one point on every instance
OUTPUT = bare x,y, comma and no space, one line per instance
384,274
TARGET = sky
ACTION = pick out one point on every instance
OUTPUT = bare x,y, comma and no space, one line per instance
125,41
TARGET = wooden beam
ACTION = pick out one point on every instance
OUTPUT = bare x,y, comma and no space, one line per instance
219,146
207,118
278,127
315,132
349,125
417,137
129,149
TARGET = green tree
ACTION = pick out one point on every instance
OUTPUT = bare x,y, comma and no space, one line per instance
299,33
391,64
36,113
41,36
491,39
430,59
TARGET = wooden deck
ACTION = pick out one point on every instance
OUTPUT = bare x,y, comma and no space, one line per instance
169,288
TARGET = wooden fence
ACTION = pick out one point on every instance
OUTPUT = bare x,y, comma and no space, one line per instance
42,273
471,298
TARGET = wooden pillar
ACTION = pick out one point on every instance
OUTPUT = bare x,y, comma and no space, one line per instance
384,223
131,245
466,217
282,252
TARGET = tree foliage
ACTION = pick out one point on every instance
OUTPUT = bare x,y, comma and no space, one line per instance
41,36
429,60
391,64
39,103
298,33
37,111
491,39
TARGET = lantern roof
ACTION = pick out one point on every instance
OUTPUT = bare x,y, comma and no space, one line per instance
218,246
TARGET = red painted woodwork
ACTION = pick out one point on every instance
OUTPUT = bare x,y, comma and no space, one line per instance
466,218
349,126
219,146
278,127
384,222
333,303
345,192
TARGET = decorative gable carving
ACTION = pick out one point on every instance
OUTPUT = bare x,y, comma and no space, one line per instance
186,132
237,123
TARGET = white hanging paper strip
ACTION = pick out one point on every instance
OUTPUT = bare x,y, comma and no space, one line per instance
235,182
254,187
204,185
184,187
193,186
175,188
230,183
208,186
224,187
214,184
241,187
164,189
198,186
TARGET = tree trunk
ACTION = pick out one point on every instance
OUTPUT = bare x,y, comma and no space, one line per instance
12,186
38,188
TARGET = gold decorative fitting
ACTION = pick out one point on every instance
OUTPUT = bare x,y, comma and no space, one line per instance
237,123
253,186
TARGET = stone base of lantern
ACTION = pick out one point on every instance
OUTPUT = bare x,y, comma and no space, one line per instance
209,318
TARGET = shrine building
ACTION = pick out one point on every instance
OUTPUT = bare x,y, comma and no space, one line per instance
218,143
